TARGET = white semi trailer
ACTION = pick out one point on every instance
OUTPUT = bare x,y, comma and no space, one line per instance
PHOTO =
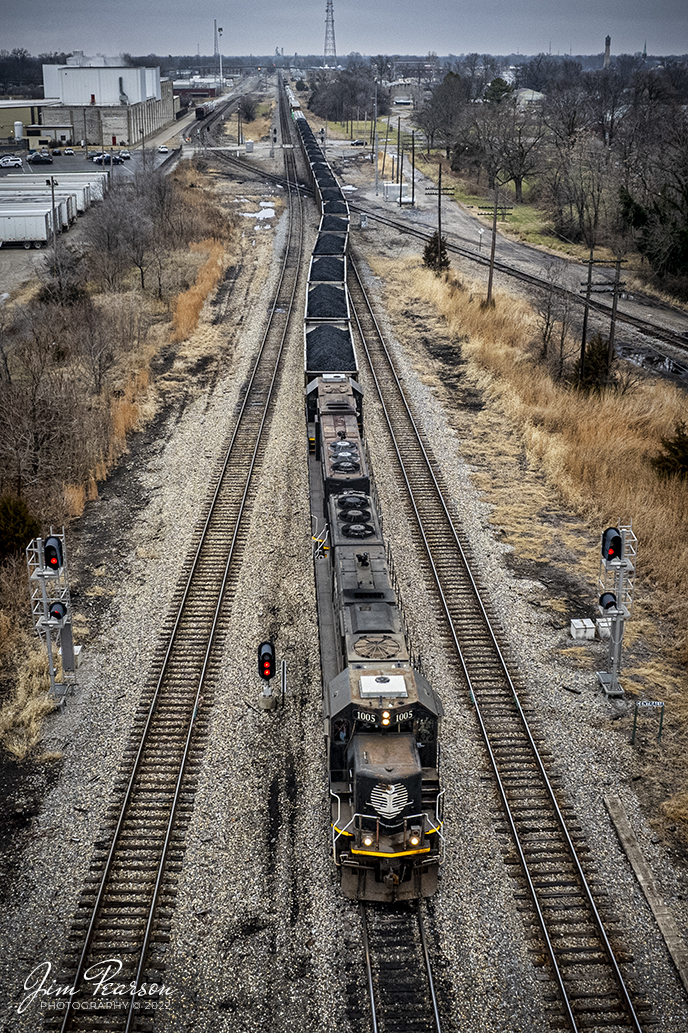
61,207
81,193
99,180
28,225
64,203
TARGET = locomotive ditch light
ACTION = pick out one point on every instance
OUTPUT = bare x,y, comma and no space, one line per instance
608,601
266,660
52,550
367,841
612,545
415,839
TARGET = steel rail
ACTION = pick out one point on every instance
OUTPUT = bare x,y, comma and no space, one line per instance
497,652
156,692
428,968
369,968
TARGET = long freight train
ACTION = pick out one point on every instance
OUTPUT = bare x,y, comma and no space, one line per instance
382,718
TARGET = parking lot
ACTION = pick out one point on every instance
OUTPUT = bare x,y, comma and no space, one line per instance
78,162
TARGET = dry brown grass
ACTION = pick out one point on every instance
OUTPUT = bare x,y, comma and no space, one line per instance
258,129
676,808
596,451
22,715
187,306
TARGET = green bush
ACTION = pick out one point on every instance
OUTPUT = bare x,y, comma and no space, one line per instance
435,254
17,526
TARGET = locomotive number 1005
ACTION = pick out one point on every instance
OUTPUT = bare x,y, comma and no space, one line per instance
368,718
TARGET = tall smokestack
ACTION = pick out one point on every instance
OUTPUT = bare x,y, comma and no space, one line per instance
607,45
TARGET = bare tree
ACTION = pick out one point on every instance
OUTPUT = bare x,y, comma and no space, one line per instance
554,308
520,134
106,254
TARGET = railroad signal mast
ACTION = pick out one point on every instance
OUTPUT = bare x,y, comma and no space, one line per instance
616,583
51,606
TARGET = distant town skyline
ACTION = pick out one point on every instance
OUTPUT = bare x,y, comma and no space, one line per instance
388,27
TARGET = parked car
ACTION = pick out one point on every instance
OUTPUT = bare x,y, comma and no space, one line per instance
10,160
38,158
108,159
92,155
56,152
123,154
358,143
163,150
68,150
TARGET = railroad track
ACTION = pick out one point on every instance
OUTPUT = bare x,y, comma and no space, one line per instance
398,970
644,326
545,846
128,901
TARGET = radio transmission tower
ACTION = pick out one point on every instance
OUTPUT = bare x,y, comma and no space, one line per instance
330,54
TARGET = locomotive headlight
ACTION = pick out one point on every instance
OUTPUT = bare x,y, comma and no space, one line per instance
385,713
385,720
367,841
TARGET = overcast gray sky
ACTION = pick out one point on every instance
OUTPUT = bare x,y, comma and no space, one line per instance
382,26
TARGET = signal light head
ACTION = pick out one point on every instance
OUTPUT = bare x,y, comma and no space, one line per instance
52,551
57,611
612,544
608,601
266,660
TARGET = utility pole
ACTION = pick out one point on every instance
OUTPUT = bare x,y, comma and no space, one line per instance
489,301
384,153
53,183
413,168
398,143
588,289
439,211
401,175
610,350
375,142
219,44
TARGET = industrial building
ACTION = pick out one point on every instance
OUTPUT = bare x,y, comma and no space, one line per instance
26,112
107,104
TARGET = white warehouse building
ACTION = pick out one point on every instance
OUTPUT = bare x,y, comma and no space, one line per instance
106,104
